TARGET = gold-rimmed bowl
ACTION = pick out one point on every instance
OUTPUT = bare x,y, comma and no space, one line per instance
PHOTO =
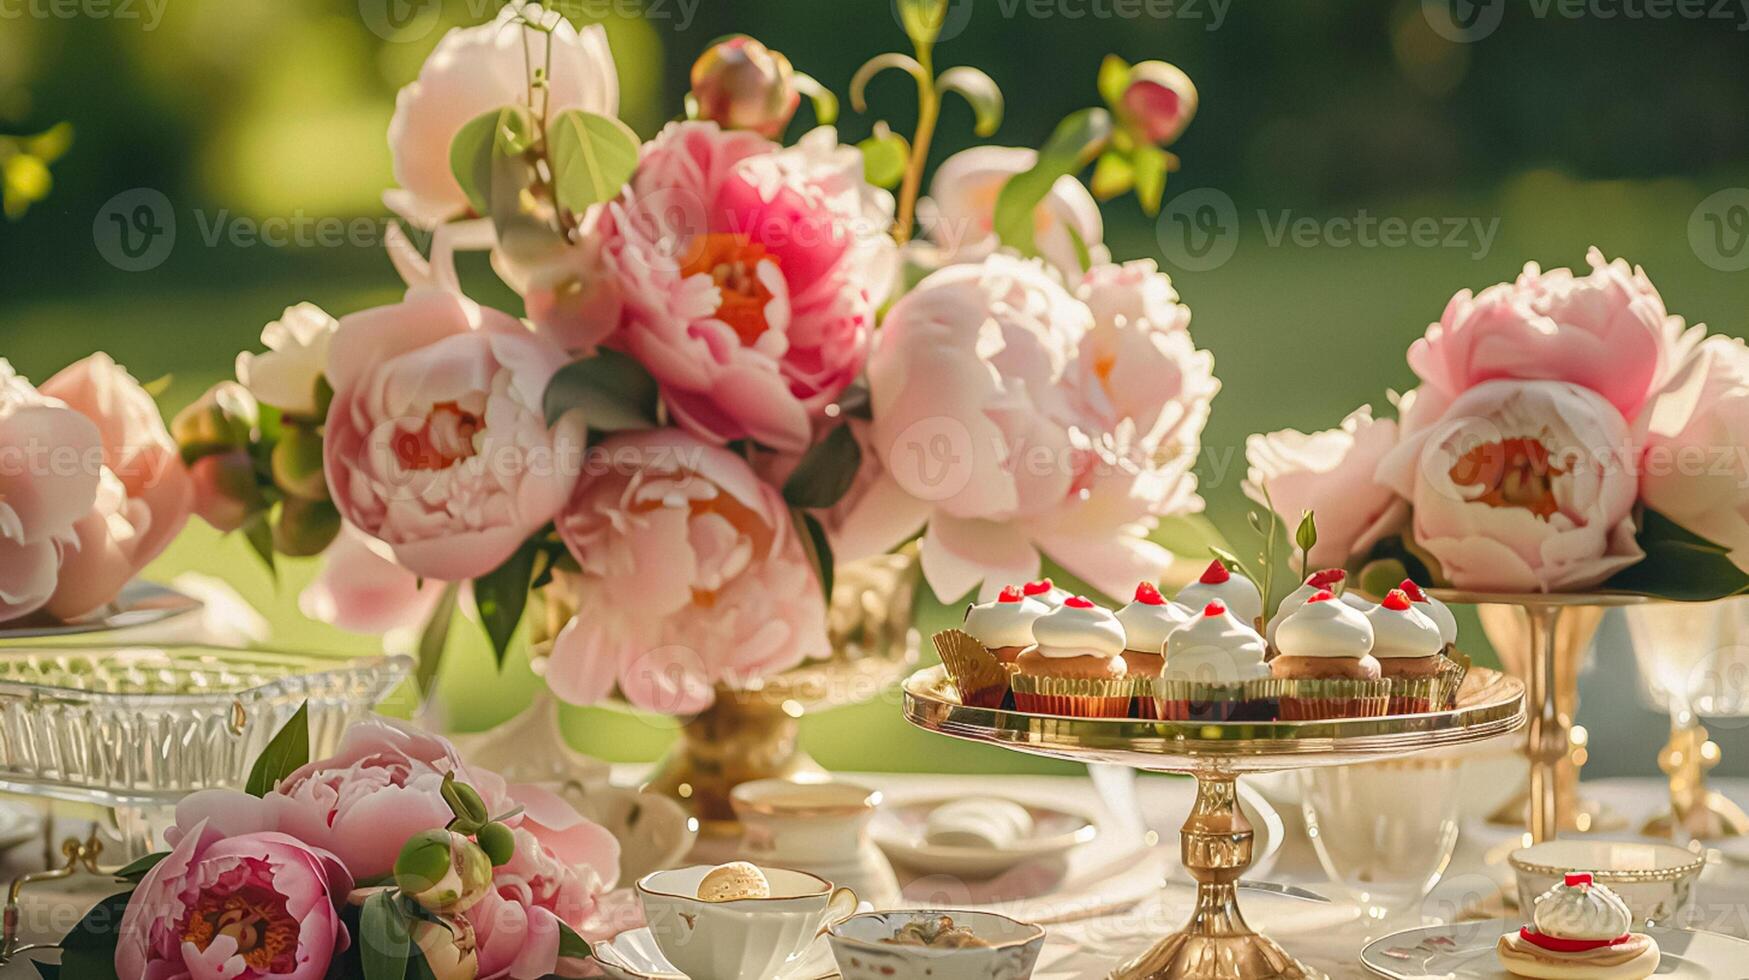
1655,880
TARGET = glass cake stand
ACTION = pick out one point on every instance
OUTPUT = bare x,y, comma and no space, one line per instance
1216,839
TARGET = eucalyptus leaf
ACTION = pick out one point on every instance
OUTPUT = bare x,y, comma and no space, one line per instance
1078,140
285,754
614,392
593,157
501,595
978,89
825,472
385,943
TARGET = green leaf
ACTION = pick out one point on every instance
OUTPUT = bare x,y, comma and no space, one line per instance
824,99
88,951
978,89
818,548
434,640
825,471
1077,141
923,20
885,154
1113,175
501,595
384,942
1151,166
258,531
51,144
593,158
1679,565
1114,79
288,751
573,946
138,869
47,971
473,143
1083,255
613,390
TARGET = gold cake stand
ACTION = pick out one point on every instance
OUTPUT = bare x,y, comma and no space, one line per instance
1217,944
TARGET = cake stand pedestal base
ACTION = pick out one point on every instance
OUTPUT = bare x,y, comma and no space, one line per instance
1216,944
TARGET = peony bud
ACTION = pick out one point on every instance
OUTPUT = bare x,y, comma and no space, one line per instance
443,871
225,492
449,947
499,843
297,463
302,527
742,84
1159,102
223,418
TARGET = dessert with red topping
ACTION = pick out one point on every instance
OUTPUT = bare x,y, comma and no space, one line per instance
1236,592
1580,930
1075,666
1324,651
1004,624
1214,664
1147,621
1047,592
1435,610
1327,580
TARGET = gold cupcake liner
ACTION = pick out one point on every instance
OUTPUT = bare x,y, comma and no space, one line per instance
1326,698
1074,697
982,680
1182,700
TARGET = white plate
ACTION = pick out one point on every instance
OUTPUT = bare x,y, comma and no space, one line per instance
1466,952
898,829
634,956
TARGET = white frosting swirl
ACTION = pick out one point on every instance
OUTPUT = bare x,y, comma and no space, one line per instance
1237,593
1293,602
1325,629
1004,624
1357,601
1070,631
1583,912
1403,633
1442,617
1217,649
1147,625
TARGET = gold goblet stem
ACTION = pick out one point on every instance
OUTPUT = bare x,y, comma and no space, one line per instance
1696,813
1216,944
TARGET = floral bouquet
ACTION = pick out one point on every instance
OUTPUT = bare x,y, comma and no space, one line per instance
1568,434
735,363
391,859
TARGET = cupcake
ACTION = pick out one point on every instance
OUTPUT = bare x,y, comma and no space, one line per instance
1404,642
1236,592
1075,666
1324,581
1324,653
1147,621
1046,591
1212,666
1004,625
1579,929
1435,610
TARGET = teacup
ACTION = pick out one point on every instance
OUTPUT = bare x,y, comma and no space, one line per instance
862,948
1655,880
747,939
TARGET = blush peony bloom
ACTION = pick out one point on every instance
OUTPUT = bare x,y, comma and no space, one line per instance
362,590
436,443
257,906
473,71
385,785
750,276
1330,473
1607,331
285,376
960,213
1695,471
144,492
692,575
1012,420
50,467
1523,486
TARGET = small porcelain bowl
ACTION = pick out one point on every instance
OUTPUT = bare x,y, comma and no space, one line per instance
1655,880
862,955
747,939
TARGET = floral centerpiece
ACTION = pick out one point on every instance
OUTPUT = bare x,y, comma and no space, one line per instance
736,363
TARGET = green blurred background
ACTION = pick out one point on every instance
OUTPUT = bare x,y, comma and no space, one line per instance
1539,131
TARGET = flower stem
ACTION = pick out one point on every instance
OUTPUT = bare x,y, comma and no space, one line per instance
928,114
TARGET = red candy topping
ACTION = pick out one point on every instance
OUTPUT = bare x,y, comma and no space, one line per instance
1215,608
1326,578
1040,587
1555,945
1078,602
1215,574
1148,595
1397,601
1412,590
1324,595
1578,879
1011,593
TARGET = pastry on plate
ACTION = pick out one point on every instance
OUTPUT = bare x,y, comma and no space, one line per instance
1579,930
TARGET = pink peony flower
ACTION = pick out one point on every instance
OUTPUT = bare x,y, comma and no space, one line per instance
1695,471
751,276
436,443
1607,331
1330,473
1522,486
361,589
50,466
385,785
257,906
144,492
961,210
1011,420
692,575
475,70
